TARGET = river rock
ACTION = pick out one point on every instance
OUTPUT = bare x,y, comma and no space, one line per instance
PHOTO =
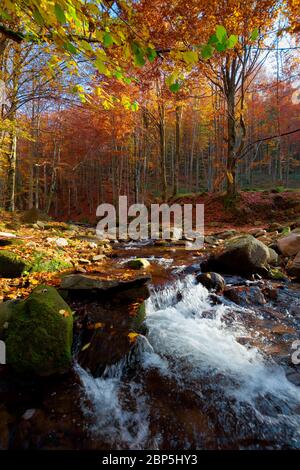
275,226
212,281
7,235
293,376
39,333
79,282
40,224
241,255
226,234
245,295
93,245
99,258
11,265
290,245
111,328
258,233
138,263
294,269
273,257
210,240
61,242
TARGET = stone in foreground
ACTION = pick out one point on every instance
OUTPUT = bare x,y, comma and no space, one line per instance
38,333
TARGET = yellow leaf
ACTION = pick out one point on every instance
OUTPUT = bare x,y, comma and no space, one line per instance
85,347
96,326
230,177
132,337
190,57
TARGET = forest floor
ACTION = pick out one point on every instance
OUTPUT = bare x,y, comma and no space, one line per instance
256,208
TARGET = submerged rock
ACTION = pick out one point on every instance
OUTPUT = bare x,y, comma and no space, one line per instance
39,332
110,328
79,282
212,281
241,255
11,265
244,295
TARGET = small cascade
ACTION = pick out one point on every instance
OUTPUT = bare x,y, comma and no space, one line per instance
192,359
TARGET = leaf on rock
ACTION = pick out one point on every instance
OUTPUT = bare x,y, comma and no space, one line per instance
132,337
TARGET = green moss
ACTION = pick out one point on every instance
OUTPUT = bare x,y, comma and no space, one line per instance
42,263
39,336
7,311
285,231
11,265
278,275
138,321
280,189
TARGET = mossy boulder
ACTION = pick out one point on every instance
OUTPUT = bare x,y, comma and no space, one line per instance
7,310
241,255
39,333
138,263
11,265
31,216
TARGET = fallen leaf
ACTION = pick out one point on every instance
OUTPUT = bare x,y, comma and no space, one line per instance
85,347
132,337
64,313
96,326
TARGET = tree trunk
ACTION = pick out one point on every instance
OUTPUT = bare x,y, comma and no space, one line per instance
231,157
177,149
162,139
11,174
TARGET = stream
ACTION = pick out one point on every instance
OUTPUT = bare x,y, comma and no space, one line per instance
206,372
193,381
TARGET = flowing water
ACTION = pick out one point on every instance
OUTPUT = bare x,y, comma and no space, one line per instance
192,383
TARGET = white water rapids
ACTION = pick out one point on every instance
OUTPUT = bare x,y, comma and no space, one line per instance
191,344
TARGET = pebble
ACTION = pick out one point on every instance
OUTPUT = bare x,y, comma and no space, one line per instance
29,414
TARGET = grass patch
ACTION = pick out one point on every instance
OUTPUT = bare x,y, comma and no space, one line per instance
42,263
